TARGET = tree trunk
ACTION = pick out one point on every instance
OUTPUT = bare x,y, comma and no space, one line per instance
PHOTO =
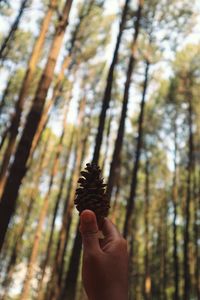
107,142
18,168
116,204
34,252
197,237
15,252
186,268
56,278
33,193
115,164
131,200
59,82
70,283
163,265
3,137
108,89
43,213
5,94
174,202
15,121
147,279
13,29
57,204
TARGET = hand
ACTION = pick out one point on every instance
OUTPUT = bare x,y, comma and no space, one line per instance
105,261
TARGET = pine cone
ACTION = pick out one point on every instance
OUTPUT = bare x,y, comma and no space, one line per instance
91,193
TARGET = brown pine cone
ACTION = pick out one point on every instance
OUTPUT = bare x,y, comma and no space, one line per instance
91,193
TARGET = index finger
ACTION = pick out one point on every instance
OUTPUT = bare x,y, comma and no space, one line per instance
109,230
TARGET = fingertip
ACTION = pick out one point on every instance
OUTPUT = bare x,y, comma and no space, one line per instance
88,221
87,215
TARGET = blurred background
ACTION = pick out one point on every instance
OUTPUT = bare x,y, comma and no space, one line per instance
112,82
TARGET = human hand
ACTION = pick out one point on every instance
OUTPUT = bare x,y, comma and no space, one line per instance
105,261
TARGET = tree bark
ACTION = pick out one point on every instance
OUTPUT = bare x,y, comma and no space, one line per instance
56,207
15,252
5,94
70,283
42,216
57,272
147,279
18,168
33,193
15,121
163,246
131,199
59,82
13,29
115,164
197,237
107,142
108,89
174,202
3,137
186,268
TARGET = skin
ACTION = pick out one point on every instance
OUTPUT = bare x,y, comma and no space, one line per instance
105,261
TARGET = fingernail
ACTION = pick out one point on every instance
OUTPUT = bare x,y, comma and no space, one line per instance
87,217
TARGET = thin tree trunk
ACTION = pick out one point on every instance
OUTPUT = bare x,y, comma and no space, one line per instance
107,142
2,105
116,204
41,167
163,265
186,268
15,252
13,29
34,252
115,164
5,94
55,281
108,89
17,246
174,202
3,137
57,204
70,283
197,237
57,273
69,290
18,168
15,121
147,281
42,216
131,199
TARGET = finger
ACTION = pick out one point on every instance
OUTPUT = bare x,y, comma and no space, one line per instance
89,231
109,230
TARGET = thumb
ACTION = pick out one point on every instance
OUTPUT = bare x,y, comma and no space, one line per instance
89,230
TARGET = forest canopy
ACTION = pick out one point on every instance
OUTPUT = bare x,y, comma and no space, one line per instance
113,83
